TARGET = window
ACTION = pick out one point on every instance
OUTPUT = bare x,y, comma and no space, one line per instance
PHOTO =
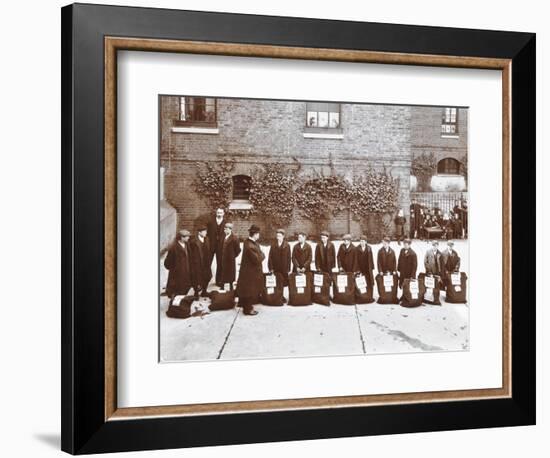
323,115
241,187
199,111
449,121
448,166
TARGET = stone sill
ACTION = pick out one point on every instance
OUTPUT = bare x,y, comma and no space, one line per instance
450,136
323,135
196,130
240,205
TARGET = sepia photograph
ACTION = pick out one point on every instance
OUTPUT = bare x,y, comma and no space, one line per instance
294,228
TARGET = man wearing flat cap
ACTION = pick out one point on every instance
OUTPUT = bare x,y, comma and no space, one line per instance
228,248
386,261
251,278
301,255
278,261
432,259
201,270
325,254
407,263
450,260
364,260
346,255
177,262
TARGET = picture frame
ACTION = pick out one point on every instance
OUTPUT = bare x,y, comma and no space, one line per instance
91,37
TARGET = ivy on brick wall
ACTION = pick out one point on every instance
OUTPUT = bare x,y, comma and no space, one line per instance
214,182
423,167
373,192
272,193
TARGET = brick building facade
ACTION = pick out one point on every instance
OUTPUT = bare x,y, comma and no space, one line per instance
346,138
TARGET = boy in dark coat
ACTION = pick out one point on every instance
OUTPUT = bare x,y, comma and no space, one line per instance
228,250
432,259
215,231
386,257
301,255
178,265
407,263
325,254
279,256
251,278
364,260
201,268
346,255
450,260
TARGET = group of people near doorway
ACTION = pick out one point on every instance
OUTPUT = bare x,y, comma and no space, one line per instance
189,260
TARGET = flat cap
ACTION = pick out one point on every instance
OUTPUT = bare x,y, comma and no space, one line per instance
185,233
386,239
280,231
253,229
346,237
326,233
407,241
229,225
363,237
450,242
201,227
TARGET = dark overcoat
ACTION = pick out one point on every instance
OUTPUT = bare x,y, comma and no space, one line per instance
385,260
346,258
251,278
215,233
407,264
432,262
365,263
201,271
301,257
325,257
279,259
228,250
450,261
179,273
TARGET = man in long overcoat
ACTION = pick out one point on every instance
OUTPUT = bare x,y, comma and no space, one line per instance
432,259
279,256
228,250
346,255
215,231
450,260
250,284
301,255
201,270
407,263
385,260
177,262
325,254
364,260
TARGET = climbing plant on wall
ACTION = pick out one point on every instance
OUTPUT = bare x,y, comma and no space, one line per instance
423,167
373,192
213,182
272,193
320,197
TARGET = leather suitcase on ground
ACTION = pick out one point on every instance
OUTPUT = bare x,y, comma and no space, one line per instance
222,300
180,307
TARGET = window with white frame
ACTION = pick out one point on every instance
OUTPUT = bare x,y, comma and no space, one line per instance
449,121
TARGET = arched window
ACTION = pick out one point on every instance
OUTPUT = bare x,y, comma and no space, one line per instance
448,166
241,187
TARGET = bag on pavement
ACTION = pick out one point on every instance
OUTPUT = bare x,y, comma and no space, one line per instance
456,287
413,293
180,307
222,299
387,288
299,288
431,288
363,291
272,293
343,288
321,288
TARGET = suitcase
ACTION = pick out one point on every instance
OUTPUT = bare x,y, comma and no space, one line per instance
413,293
299,289
343,288
387,288
456,287
180,307
272,293
431,288
321,288
363,291
222,300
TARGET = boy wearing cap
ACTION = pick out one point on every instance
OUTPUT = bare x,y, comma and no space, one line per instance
432,259
278,260
325,254
229,248
407,263
386,257
364,260
201,271
301,255
178,265
251,278
346,255
450,260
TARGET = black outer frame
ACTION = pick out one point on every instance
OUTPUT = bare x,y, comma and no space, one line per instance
84,429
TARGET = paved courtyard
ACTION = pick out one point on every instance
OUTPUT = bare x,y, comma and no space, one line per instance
318,330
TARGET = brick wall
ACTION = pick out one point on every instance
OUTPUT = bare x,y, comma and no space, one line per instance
253,132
